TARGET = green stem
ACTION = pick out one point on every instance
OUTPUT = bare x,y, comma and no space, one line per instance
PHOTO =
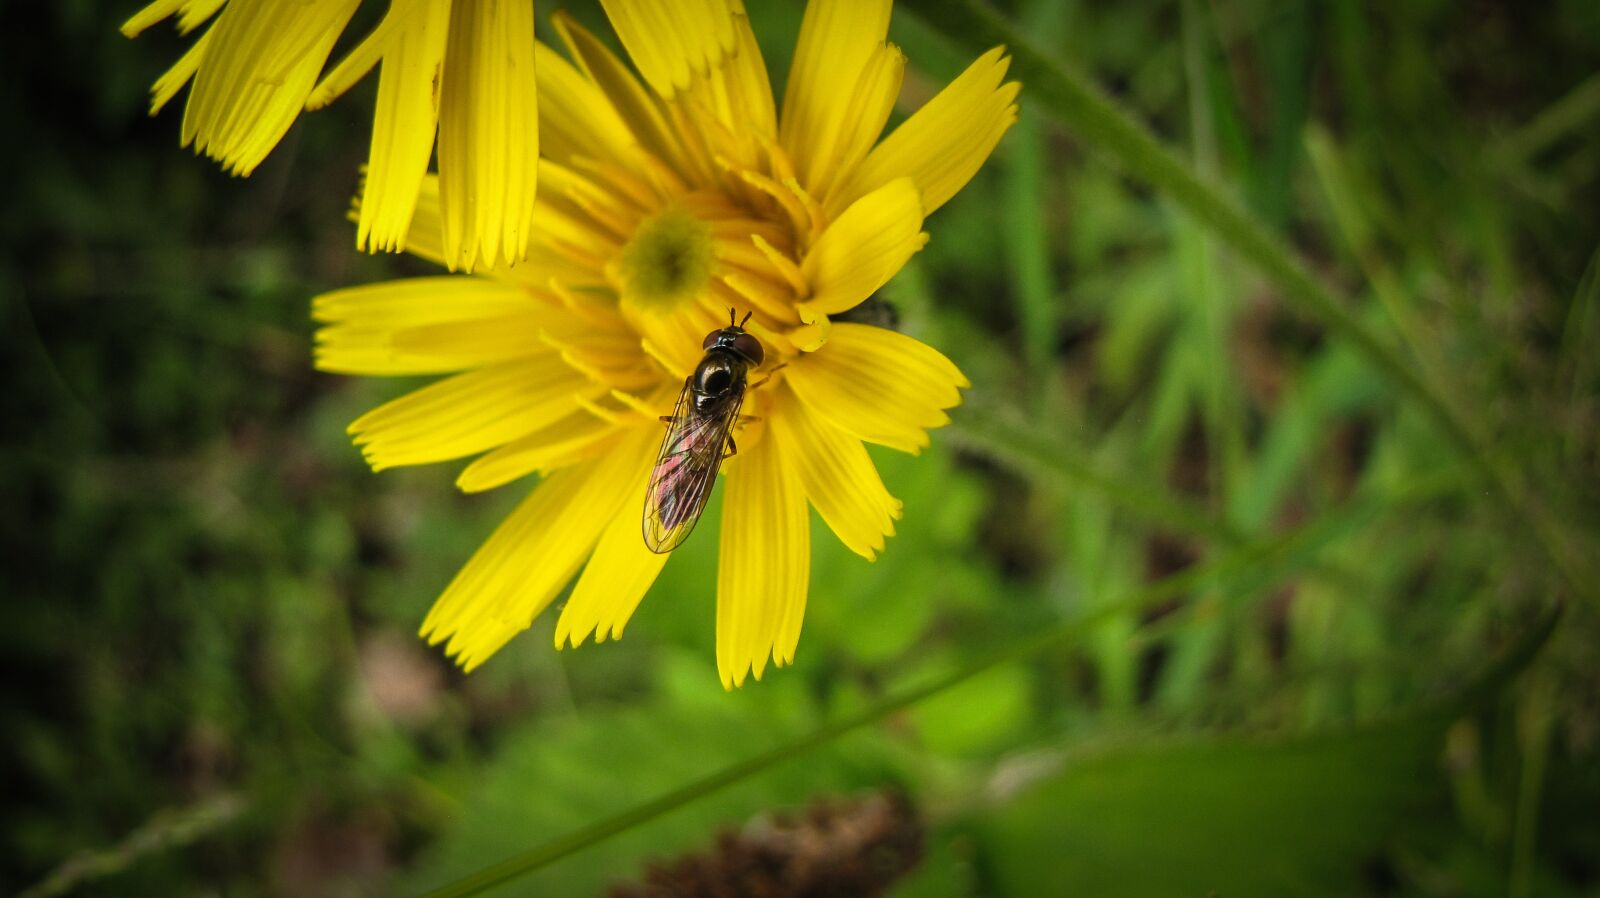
1098,119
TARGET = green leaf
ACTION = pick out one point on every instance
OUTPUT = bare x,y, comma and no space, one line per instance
979,715
1229,817
1236,816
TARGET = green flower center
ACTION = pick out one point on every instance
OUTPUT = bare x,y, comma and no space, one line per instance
668,261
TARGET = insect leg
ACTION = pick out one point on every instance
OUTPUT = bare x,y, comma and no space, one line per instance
769,376
733,448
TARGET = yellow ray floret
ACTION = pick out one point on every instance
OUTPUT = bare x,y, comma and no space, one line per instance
943,144
459,74
838,478
671,41
841,66
881,386
863,248
533,554
764,565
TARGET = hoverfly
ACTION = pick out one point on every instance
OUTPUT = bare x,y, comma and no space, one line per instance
699,435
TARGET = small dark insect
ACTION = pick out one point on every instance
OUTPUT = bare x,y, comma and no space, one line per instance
699,435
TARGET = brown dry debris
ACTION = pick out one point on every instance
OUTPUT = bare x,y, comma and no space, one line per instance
832,849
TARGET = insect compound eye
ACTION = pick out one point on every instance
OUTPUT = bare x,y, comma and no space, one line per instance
710,340
749,347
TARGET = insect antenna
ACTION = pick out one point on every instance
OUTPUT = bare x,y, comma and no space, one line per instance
731,313
747,317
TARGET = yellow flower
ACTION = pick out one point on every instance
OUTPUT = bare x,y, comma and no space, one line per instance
655,216
461,69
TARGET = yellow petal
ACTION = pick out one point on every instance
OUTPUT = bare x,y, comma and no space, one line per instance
643,113
531,556
257,73
613,357
150,15
432,349
576,118
394,327
488,133
863,248
425,238
194,13
837,476
358,62
411,302
173,80
748,86
616,578
884,387
732,103
674,339
568,441
547,260
944,143
871,101
404,123
764,568
838,40
671,41
471,412
191,13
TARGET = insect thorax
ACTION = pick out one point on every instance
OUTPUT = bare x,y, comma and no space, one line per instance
719,377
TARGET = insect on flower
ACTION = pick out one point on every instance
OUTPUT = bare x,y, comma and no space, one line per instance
699,435
660,205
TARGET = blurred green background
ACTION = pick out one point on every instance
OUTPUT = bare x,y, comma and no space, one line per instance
212,683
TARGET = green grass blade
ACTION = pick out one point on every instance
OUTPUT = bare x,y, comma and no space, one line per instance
1068,470
1565,116
1096,117
1577,358
1027,189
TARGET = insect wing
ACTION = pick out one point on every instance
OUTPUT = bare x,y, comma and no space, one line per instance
685,469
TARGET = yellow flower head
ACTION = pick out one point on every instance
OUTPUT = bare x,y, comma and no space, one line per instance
459,69
656,214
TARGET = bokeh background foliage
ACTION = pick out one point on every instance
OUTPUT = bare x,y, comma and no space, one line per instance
212,684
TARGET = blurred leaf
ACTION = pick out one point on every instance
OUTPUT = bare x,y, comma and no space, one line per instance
1229,817
1236,816
980,715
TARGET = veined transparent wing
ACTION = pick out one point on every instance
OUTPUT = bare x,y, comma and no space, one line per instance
686,467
